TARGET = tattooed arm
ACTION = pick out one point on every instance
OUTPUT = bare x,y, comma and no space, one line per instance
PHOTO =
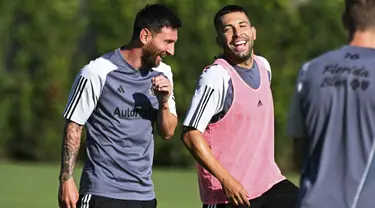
82,101
69,150
68,193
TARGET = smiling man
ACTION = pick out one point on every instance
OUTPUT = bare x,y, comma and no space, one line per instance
119,97
229,127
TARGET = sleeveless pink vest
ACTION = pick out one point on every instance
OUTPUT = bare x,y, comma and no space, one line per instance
243,140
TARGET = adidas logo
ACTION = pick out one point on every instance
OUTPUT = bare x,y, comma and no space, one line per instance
120,89
260,103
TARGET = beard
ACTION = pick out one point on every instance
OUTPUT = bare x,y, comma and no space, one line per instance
245,55
151,58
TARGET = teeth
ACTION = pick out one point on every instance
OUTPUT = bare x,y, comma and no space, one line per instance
239,43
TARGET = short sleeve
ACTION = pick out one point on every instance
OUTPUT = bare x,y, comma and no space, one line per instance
86,90
296,125
208,98
267,65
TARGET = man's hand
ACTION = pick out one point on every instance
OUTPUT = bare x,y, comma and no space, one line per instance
162,88
235,192
68,194
198,147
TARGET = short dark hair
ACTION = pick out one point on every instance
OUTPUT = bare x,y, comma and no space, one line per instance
227,10
359,15
155,17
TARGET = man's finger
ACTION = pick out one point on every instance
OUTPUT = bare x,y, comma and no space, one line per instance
164,81
73,204
159,78
159,85
164,90
245,199
163,85
234,201
239,200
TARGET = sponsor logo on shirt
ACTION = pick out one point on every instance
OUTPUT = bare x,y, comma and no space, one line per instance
137,112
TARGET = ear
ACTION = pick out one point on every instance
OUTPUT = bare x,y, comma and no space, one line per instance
145,36
254,31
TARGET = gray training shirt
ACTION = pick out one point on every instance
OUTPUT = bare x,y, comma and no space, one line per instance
116,104
333,108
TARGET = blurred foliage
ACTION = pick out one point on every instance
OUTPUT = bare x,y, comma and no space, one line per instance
45,43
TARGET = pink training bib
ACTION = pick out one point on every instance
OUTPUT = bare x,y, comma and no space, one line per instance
243,140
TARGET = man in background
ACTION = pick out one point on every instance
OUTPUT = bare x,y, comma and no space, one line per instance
332,118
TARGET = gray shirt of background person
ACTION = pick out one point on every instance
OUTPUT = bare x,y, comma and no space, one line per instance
116,104
333,108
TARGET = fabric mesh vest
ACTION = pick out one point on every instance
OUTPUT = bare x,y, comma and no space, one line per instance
243,140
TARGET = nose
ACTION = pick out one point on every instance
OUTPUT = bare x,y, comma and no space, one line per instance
170,49
236,32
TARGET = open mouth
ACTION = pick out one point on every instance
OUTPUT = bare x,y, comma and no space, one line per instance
240,45
161,56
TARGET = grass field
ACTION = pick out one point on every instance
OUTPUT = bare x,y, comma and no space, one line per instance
35,186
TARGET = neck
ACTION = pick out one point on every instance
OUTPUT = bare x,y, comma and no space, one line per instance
248,63
132,53
363,39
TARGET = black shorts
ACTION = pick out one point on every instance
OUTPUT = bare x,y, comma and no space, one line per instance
282,195
92,201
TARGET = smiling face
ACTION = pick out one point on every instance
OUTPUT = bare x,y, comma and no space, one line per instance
236,36
158,45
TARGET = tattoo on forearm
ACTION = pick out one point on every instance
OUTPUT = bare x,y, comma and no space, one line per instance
70,147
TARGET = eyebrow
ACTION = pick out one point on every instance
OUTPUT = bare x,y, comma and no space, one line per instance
238,23
171,40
